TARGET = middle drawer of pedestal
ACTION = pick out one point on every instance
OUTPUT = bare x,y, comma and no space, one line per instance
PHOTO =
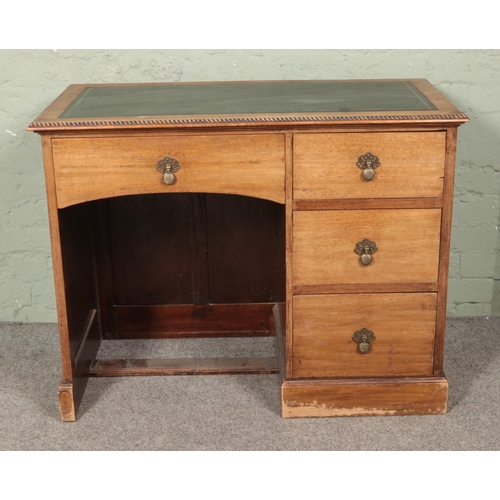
397,330
366,246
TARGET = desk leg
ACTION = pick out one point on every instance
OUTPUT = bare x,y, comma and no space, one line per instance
71,231
79,320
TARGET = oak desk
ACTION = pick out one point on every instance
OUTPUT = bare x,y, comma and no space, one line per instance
317,211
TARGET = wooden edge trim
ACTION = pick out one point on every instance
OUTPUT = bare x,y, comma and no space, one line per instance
437,97
69,198
368,204
303,129
279,322
183,366
365,288
103,269
228,121
55,242
53,112
289,253
204,334
444,251
366,397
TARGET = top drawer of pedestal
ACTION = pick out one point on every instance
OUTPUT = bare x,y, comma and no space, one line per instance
90,168
403,165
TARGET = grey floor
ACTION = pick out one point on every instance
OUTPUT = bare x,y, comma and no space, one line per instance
231,412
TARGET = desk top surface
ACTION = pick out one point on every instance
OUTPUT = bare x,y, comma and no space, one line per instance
245,103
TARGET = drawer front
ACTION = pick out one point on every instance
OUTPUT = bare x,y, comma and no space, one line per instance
403,325
406,241
411,165
102,167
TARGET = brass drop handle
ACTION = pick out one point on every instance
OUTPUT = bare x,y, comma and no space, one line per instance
364,338
168,166
365,249
368,163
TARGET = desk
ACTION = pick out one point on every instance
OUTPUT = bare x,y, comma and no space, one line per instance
318,212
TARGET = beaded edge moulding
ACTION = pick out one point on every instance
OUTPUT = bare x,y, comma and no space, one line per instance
246,120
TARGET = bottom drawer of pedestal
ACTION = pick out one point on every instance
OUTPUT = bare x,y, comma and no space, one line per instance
363,335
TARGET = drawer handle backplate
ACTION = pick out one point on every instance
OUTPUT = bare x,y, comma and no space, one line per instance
365,249
368,163
364,338
168,166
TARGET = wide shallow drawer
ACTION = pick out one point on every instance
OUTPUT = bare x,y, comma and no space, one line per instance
411,165
91,168
406,241
403,325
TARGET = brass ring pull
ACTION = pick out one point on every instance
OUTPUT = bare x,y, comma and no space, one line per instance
365,249
368,163
364,338
168,166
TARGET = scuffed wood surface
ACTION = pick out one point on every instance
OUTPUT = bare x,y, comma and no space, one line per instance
183,366
348,398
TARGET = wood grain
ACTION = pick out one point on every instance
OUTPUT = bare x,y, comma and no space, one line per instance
407,241
246,249
403,324
279,325
367,204
75,287
80,288
411,165
365,288
451,146
55,240
104,268
434,95
183,366
190,248
71,393
158,249
187,321
343,398
67,406
289,255
94,168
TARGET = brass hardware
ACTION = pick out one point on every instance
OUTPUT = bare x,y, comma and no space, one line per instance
368,163
365,249
364,338
168,166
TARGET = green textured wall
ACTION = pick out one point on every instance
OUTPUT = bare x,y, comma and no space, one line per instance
31,79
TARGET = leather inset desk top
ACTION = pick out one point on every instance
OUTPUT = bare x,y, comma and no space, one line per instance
246,98
215,104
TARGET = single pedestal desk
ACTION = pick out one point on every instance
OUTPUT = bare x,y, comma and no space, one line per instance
318,212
